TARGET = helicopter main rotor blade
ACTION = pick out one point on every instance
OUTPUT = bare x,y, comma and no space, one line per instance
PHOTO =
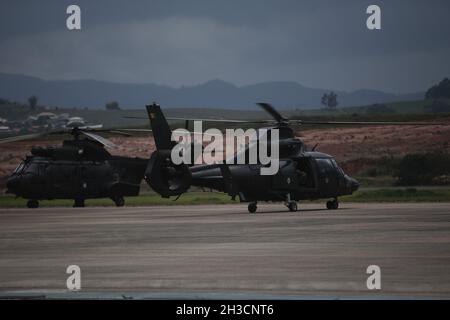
107,143
133,117
206,120
33,136
220,120
271,110
282,120
404,123
73,131
120,133
136,130
150,130
23,137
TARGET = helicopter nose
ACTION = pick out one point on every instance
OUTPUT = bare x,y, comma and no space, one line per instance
13,184
354,184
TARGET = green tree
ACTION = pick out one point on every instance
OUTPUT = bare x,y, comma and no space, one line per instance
422,169
330,100
441,90
111,106
32,101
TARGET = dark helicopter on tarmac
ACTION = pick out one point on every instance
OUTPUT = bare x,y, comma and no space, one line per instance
303,174
80,169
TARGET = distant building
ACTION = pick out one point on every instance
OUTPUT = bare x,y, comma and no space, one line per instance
5,129
45,116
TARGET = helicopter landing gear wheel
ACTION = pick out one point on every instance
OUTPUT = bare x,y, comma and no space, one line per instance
292,206
252,207
79,203
332,204
119,201
32,204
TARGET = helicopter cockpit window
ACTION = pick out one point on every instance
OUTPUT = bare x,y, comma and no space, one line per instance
325,165
33,168
337,167
19,168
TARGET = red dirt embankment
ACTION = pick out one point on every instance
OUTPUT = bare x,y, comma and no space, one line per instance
354,147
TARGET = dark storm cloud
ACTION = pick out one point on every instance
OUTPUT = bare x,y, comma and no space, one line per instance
317,43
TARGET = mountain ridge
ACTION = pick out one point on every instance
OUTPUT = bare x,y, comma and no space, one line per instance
215,93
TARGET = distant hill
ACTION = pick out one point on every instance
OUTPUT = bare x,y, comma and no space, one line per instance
212,94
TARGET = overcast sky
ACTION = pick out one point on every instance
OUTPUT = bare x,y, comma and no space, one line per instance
322,44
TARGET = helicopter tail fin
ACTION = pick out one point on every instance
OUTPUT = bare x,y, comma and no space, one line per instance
161,130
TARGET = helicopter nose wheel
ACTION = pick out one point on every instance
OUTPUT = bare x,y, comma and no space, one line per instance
33,204
292,206
252,207
79,203
119,201
333,204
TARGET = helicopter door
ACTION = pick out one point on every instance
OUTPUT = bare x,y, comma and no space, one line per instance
304,172
83,180
327,176
285,179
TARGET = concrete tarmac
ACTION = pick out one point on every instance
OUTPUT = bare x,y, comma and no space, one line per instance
220,250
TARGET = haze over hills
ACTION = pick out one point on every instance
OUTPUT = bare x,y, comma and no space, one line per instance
212,94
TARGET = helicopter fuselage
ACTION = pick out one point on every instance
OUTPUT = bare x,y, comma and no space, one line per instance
79,170
307,176
42,178
300,174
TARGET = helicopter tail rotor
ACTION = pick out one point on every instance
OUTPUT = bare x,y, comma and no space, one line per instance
162,175
165,177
